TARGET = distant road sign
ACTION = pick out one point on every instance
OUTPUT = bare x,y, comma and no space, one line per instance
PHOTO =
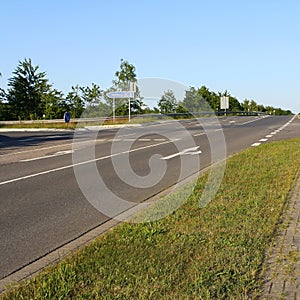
224,102
67,117
121,94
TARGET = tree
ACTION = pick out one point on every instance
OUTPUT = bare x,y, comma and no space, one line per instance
167,103
261,108
4,107
91,95
210,100
26,89
214,101
74,102
194,100
124,77
246,105
180,109
253,105
52,104
234,104
2,93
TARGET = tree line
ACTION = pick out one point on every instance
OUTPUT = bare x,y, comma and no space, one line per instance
30,96
203,100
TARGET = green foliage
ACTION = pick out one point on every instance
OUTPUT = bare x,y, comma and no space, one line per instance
94,106
234,104
53,105
126,76
91,95
2,95
30,96
167,103
26,89
197,100
74,102
4,108
180,109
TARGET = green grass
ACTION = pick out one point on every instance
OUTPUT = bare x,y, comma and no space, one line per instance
40,125
73,125
215,252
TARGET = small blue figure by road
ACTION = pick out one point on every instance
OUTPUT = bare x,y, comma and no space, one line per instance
67,117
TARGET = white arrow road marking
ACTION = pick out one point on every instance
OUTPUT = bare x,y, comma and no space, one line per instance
198,134
189,151
63,152
48,156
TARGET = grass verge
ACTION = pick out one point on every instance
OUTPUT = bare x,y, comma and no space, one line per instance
215,252
35,125
73,124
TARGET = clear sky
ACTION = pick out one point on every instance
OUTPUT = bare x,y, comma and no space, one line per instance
250,48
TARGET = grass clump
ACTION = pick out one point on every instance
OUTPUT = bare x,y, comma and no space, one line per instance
215,252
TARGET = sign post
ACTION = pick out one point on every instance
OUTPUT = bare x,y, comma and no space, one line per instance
118,95
114,110
129,109
132,88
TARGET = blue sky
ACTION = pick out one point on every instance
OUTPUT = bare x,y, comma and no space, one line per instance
250,48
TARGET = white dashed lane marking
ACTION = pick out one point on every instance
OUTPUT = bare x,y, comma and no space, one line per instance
273,133
255,144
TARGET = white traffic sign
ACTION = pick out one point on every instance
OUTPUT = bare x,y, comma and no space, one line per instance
224,102
121,94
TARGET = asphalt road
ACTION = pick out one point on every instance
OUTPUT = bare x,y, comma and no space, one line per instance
49,188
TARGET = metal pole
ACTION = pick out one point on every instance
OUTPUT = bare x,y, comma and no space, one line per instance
129,109
114,110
